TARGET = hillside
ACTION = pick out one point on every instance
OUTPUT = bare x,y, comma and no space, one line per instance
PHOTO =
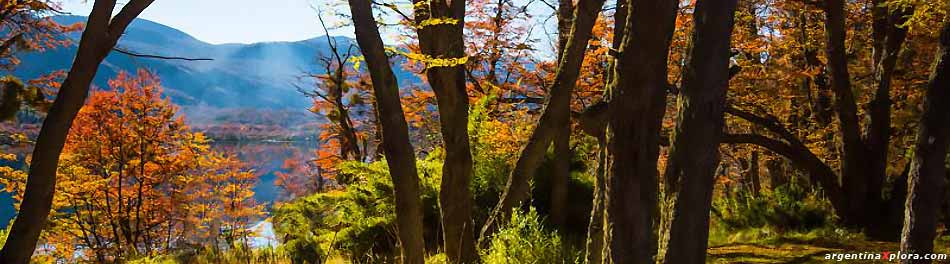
258,75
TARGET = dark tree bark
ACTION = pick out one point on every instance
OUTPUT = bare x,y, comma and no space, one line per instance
946,204
594,122
98,39
399,153
445,41
777,174
853,168
753,173
565,20
694,152
889,37
926,180
637,104
557,111
561,175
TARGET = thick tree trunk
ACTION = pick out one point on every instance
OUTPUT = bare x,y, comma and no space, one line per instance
926,180
517,188
637,104
694,152
399,153
594,253
100,36
946,204
561,175
878,130
445,41
853,166
593,121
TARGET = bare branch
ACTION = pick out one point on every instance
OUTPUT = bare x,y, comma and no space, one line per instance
150,56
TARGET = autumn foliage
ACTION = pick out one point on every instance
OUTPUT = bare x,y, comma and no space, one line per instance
135,181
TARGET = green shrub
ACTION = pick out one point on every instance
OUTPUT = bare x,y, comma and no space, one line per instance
525,240
358,221
788,207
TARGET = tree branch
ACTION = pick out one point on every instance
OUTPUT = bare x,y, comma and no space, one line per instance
125,16
819,173
769,122
150,56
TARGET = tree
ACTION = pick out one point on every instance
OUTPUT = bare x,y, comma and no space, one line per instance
694,151
398,151
860,194
341,96
562,141
27,26
593,121
100,36
439,25
135,181
637,102
928,169
334,98
556,114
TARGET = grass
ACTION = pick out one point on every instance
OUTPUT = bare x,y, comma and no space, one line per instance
808,247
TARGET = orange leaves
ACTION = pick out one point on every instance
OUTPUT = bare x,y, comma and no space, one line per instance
133,177
27,26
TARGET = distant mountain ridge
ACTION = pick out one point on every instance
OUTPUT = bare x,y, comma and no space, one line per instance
258,75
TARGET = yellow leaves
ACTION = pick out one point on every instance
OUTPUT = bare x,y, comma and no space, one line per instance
429,61
356,60
8,157
437,21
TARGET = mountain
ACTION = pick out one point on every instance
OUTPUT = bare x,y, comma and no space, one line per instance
259,75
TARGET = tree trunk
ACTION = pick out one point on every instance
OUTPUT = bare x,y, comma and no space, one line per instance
878,132
594,253
399,153
946,204
594,122
753,173
853,172
561,175
694,153
445,41
926,180
637,104
100,36
777,175
556,111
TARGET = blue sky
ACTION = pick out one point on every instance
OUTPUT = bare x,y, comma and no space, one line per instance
232,21
251,21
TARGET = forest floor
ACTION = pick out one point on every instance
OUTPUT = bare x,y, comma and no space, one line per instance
808,248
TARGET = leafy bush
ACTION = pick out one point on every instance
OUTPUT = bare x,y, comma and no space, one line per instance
357,222
788,207
525,240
